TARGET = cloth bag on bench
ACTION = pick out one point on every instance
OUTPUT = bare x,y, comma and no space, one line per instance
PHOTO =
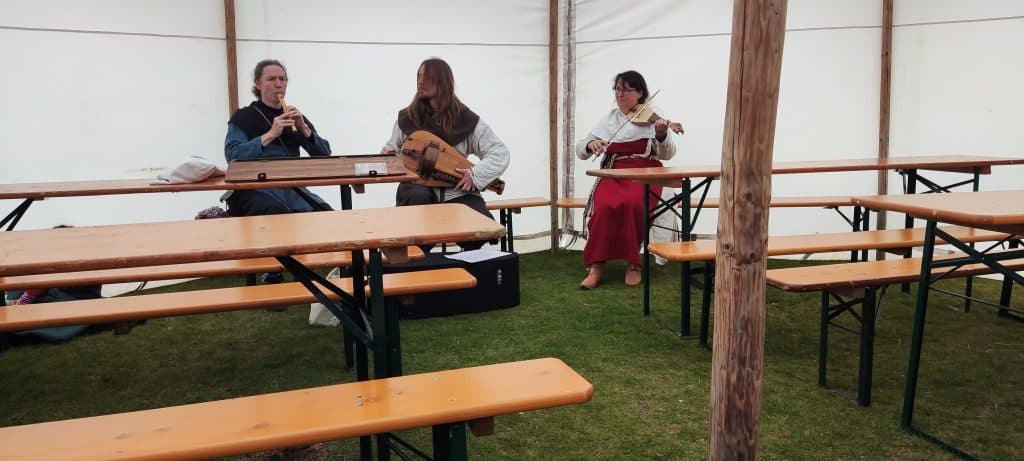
320,315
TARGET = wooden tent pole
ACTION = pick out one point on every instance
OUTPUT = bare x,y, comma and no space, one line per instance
755,63
883,106
232,55
553,119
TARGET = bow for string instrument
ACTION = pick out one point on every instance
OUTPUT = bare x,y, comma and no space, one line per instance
435,162
643,115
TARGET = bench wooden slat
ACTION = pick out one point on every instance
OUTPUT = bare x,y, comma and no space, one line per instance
791,202
180,271
283,419
712,202
571,202
889,239
517,203
108,310
867,274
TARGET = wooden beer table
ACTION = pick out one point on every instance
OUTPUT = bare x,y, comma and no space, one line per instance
282,236
1001,211
31,192
684,176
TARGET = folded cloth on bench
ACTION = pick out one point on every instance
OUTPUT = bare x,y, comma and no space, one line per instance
196,168
60,333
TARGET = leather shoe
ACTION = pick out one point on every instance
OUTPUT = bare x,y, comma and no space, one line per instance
593,278
634,275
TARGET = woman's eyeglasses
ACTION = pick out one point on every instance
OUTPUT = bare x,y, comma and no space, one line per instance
622,90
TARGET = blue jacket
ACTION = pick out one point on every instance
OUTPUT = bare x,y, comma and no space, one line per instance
238,146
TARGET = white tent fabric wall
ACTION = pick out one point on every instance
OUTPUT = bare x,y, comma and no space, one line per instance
829,91
116,89
102,105
353,66
109,90
957,76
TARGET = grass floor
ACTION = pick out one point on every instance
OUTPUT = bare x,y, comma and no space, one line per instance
651,386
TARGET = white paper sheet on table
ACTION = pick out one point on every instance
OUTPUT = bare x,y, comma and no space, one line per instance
474,256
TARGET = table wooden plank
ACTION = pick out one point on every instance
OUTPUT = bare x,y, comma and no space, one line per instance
182,271
152,244
1001,211
42,190
932,162
304,168
890,239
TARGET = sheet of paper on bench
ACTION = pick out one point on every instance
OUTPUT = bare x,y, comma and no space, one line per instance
475,256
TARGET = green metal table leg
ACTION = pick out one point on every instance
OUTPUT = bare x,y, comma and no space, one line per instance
381,364
346,197
394,338
917,338
705,303
908,221
509,232
867,347
823,340
686,230
646,274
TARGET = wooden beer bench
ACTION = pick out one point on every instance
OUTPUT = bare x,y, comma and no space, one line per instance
122,310
712,202
180,271
446,400
859,220
849,284
505,210
892,240
126,308
280,236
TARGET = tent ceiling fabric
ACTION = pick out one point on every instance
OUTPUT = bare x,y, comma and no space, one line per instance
112,89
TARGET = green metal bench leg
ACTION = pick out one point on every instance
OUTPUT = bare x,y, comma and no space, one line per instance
705,303
685,298
383,449
865,219
856,222
1007,289
503,241
505,219
450,441
1004,296
441,442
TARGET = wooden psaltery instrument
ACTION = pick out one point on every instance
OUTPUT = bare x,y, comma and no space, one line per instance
434,161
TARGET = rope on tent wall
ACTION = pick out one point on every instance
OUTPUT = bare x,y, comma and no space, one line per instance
569,113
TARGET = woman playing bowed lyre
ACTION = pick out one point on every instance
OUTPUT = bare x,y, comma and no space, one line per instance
614,217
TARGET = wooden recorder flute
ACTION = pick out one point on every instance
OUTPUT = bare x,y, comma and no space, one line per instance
280,98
